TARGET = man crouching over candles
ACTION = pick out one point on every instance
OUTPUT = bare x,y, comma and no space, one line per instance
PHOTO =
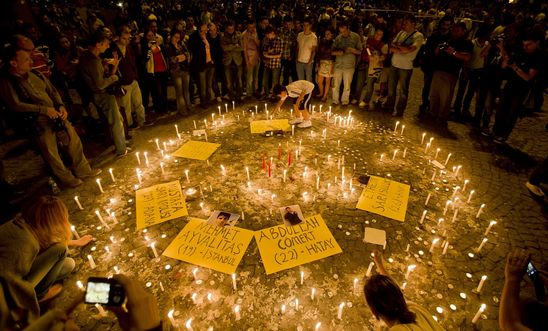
300,92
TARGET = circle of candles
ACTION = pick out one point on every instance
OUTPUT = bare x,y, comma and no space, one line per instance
478,314
480,285
489,227
340,310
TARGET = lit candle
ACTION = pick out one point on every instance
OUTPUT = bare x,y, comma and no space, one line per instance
195,274
437,152
433,176
319,324
282,309
423,216
369,269
445,248
382,157
101,310
98,181
394,156
171,319
404,152
233,105
427,147
427,199
187,178
157,141
481,245
146,158
110,170
434,242
478,314
489,227
312,294
226,108
457,171
402,128
223,170
455,215
153,246
91,262
162,167
422,139
78,203
188,324
340,311
302,277
285,174
237,312
480,210
234,282
355,287
455,191
466,181
447,206
293,130
297,304
101,218
409,269
73,229
480,285
396,127
470,196
447,159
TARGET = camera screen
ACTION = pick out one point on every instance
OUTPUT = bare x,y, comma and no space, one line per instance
531,269
97,292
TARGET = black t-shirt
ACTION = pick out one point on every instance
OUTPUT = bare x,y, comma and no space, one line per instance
448,62
525,62
430,48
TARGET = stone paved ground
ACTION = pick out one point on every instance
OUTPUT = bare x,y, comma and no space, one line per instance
497,175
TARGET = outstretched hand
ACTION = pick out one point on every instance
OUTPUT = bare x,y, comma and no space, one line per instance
516,264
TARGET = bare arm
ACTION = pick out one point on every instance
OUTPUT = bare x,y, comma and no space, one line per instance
510,311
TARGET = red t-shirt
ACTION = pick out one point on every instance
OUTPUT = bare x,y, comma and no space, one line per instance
159,63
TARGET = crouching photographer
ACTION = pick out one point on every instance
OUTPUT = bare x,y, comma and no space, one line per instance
33,98
522,70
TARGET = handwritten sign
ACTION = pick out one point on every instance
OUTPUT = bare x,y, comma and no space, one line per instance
385,197
197,150
215,247
268,125
284,247
160,203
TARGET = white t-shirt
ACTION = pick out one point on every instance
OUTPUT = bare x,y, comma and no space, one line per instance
306,43
295,88
405,61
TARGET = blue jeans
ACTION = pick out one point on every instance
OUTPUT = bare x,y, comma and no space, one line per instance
268,73
181,81
304,71
48,267
109,107
205,80
398,79
252,79
233,76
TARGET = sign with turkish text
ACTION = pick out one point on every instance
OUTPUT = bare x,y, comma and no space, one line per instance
197,150
159,203
270,125
385,197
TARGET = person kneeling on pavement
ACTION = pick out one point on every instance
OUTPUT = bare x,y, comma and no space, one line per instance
300,92
35,101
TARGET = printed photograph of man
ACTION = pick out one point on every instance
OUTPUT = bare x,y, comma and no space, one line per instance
292,215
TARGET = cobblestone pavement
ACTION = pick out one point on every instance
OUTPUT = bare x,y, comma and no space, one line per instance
496,174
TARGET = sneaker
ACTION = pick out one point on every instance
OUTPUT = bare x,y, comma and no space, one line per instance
124,152
296,120
485,133
53,291
534,189
92,173
362,104
219,99
335,103
499,140
305,124
345,103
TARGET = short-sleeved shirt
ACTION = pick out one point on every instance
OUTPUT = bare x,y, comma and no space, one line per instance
526,62
272,47
405,61
306,43
448,62
295,88
347,60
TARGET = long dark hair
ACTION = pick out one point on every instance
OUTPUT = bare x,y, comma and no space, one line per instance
386,300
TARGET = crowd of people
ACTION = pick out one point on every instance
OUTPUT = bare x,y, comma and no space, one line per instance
112,73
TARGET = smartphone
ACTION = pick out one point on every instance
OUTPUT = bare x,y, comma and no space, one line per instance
104,291
532,272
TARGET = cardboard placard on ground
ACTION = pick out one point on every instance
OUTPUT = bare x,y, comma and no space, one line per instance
197,150
210,246
284,247
375,236
385,197
159,203
268,125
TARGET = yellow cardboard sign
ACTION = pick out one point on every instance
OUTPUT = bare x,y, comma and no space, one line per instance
159,203
211,246
385,197
197,150
284,247
267,125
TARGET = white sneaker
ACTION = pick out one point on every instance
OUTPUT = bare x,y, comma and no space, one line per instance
532,188
305,124
354,101
296,120
362,104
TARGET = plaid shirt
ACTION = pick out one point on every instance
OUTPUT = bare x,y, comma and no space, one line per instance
272,47
288,40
